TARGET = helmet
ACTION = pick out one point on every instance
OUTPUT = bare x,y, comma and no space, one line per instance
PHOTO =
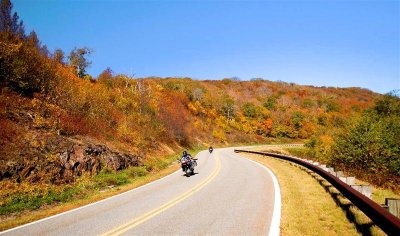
184,153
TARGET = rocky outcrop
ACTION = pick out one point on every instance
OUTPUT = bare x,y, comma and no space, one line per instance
34,148
90,158
73,158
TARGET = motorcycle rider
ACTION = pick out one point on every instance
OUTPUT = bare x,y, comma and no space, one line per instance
186,157
210,149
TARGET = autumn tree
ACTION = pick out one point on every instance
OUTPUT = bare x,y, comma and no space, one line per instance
175,116
24,64
249,110
297,119
106,77
77,59
59,56
371,144
10,29
270,103
389,104
228,108
10,23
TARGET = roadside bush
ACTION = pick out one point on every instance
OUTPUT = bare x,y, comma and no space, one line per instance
371,146
368,146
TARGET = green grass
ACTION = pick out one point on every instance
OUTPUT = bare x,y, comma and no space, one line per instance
35,199
136,171
104,179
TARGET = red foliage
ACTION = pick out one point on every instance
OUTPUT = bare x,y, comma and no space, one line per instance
74,124
9,132
175,115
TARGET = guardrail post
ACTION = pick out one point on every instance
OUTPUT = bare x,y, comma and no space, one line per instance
351,180
339,174
348,180
364,189
393,206
331,170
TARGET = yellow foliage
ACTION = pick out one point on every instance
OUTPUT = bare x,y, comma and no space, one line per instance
307,130
198,124
219,134
212,113
223,123
192,109
324,148
234,124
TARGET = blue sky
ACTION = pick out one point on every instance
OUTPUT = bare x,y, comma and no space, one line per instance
321,43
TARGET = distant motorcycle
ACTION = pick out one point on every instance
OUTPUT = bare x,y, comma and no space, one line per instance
188,166
210,149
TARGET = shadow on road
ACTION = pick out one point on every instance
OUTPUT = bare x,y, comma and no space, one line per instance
190,174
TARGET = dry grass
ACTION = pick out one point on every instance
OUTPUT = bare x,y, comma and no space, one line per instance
361,222
307,209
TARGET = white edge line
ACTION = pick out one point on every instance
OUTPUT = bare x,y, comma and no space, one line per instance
91,204
274,228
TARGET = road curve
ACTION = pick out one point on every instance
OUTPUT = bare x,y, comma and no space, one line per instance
228,195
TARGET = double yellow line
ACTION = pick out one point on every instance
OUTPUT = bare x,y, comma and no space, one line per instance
137,221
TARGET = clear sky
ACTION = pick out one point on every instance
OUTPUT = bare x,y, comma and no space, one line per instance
322,43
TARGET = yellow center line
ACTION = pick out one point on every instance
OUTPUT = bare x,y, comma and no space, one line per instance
137,221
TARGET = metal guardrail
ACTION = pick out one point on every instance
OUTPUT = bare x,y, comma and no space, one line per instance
389,223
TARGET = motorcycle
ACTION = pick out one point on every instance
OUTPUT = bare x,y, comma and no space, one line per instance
210,150
188,166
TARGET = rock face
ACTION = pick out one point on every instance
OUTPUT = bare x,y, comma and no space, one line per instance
34,148
91,158
72,159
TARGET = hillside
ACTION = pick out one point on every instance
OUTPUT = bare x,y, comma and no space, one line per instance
60,125
142,116
57,121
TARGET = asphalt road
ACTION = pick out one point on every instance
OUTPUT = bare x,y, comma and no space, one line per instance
228,195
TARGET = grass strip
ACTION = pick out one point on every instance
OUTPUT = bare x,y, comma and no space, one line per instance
307,209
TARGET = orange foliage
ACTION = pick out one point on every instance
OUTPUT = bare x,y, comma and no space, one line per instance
140,112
